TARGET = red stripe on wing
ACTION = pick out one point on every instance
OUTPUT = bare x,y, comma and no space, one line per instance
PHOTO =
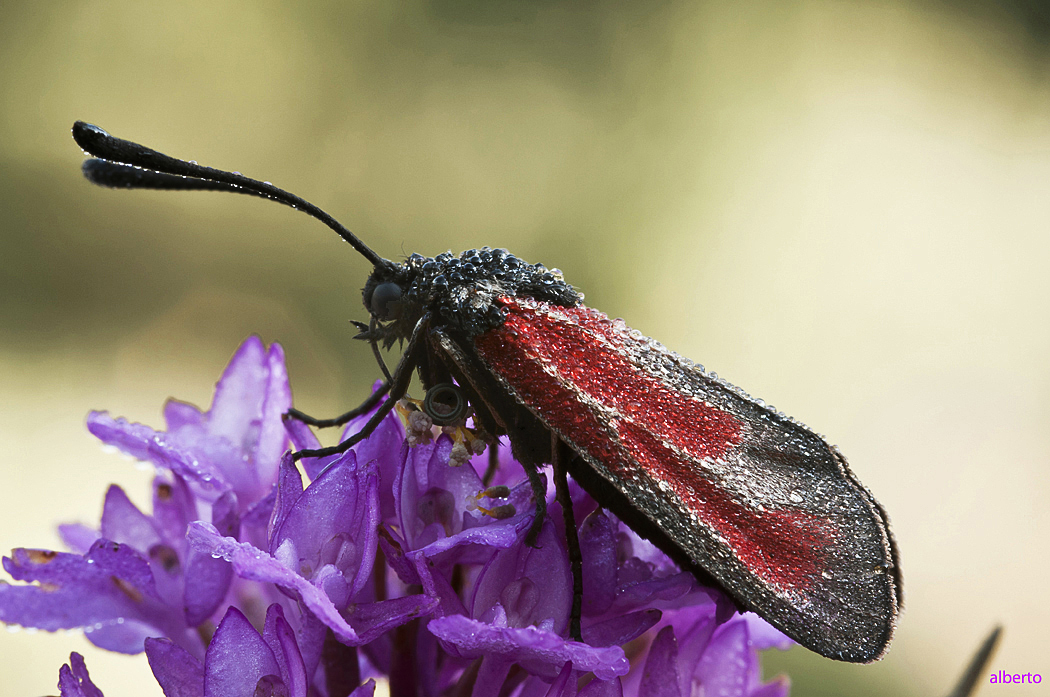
583,346
572,366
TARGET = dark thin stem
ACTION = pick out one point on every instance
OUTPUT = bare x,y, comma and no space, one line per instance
403,668
975,670
97,142
561,455
342,672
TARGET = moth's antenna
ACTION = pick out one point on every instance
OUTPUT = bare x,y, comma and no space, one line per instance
126,165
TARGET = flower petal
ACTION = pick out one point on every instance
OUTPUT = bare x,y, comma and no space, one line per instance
620,629
660,676
74,681
178,673
515,576
252,563
237,658
207,579
143,443
763,635
338,514
109,591
538,651
728,668
602,688
598,548
368,689
281,639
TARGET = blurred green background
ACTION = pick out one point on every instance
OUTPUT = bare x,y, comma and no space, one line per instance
840,206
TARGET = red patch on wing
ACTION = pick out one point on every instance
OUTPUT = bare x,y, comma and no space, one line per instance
570,364
584,347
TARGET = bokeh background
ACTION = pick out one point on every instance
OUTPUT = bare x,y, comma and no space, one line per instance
842,207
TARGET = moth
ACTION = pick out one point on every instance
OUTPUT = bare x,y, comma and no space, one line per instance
740,494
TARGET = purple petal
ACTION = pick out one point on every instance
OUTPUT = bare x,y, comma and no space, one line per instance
679,590
335,521
564,685
74,681
620,629
237,658
384,447
462,482
178,673
491,674
438,586
602,688
122,635
289,489
763,635
279,636
77,537
538,651
208,579
257,517
250,399
173,507
366,690
143,443
499,535
693,631
110,591
181,414
311,638
728,667
598,548
123,522
410,484
660,676
372,620
252,563
273,439
533,586
237,444
304,439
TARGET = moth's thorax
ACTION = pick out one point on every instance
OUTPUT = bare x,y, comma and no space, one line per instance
460,291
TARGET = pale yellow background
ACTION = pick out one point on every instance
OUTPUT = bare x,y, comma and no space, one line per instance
842,207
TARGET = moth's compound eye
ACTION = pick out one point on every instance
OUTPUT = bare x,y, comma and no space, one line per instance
386,301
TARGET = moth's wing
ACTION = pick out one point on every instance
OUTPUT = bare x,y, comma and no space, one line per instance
762,503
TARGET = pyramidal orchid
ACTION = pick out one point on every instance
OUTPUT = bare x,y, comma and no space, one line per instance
385,564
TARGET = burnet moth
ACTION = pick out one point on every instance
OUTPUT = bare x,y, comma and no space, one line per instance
733,490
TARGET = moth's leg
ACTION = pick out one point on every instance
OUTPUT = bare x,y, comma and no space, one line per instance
539,494
398,386
561,454
366,406
493,465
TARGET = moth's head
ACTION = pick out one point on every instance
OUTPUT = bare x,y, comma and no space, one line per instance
393,300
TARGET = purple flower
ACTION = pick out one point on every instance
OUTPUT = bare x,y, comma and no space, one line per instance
239,661
390,564
74,681
235,446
